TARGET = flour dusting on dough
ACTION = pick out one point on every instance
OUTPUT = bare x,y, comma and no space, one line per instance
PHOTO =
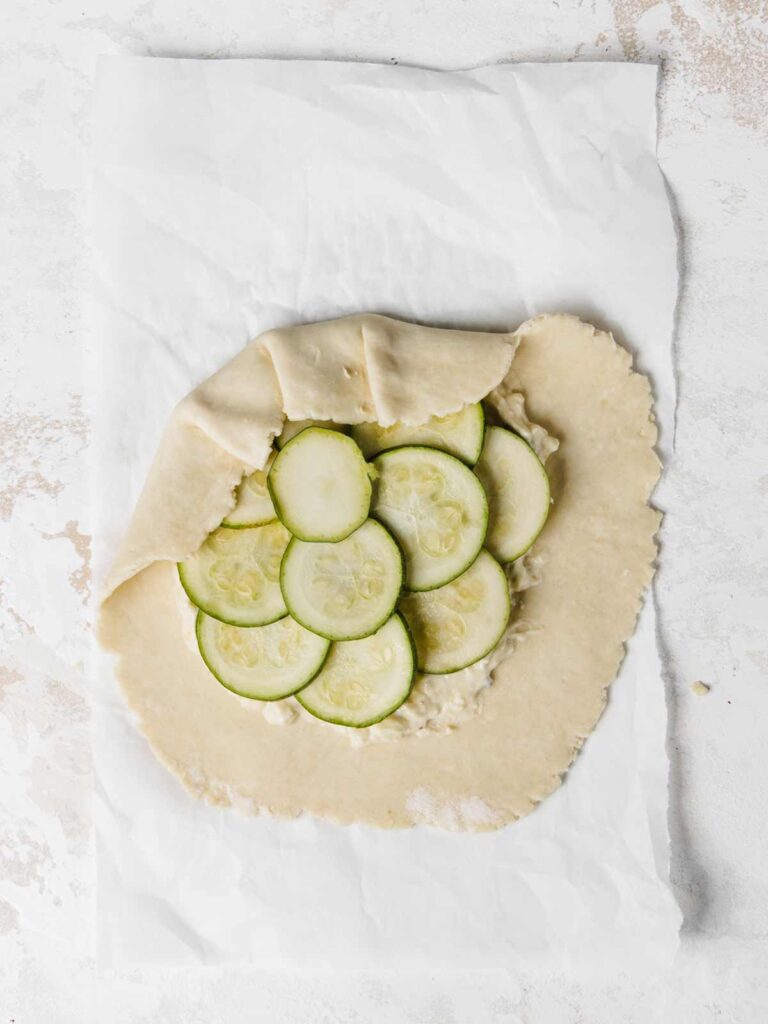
281,712
469,813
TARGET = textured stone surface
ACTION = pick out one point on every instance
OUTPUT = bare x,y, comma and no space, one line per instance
713,589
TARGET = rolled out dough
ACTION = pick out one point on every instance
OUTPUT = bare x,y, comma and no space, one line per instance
598,548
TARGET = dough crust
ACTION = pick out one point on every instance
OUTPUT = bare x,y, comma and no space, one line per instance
598,548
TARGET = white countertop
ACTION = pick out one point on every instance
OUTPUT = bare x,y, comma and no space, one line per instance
713,585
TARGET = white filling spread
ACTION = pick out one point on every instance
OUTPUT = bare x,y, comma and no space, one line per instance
440,703
436,704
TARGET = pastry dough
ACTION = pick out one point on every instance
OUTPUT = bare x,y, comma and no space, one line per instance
350,370
598,547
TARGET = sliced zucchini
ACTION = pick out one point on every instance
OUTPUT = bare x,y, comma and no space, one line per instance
293,427
346,590
518,493
235,575
320,485
436,509
457,625
460,433
261,662
365,680
254,505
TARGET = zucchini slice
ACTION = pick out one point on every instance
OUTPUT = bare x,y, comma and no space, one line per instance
261,662
460,433
518,493
320,485
293,427
436,509
235,575
457,625
346,590
254,505
364,680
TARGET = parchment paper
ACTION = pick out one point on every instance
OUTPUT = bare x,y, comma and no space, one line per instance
234,196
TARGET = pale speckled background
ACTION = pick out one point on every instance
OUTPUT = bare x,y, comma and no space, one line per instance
713,592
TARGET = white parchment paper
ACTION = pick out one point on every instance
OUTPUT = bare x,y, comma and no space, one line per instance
230,197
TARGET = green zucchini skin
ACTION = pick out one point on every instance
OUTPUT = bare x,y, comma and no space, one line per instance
260,508
310,697
476,505
282,440
521,492
252,694
294,587
261,545
437,432
307,490
428,612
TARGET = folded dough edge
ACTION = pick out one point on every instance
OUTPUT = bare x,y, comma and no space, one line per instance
354,369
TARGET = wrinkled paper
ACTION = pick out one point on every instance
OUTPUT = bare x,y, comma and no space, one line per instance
230,197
